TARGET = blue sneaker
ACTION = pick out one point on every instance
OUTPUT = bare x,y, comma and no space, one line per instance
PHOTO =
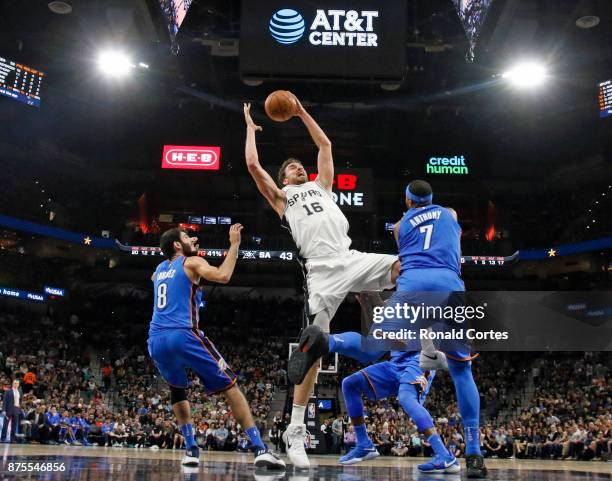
441,464
192,457
358,454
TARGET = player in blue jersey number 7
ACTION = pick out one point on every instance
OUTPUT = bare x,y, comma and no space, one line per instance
176,342
428,238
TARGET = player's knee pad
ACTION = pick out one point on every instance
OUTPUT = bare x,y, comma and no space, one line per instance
177,394
408,397
323,320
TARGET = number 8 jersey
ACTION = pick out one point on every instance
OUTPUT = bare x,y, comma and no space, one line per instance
318,226
429,237
176,298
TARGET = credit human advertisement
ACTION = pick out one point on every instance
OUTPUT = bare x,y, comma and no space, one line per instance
354,39
455,165
191,158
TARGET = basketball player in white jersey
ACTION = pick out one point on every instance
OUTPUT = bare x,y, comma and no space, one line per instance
320,231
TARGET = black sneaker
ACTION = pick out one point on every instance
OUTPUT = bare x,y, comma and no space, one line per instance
475,466
314,344
265,458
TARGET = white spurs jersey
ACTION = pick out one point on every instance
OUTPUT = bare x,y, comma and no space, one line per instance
318,226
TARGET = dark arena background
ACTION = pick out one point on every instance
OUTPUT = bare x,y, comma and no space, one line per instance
121,119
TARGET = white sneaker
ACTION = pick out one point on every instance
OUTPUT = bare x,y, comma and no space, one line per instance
431,362
190,460
294,440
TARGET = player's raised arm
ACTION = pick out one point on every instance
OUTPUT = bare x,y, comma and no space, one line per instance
265,183
223,273
396,229
325,161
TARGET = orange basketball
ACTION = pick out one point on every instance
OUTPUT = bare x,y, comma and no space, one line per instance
280,105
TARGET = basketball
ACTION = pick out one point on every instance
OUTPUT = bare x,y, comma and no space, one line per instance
280,105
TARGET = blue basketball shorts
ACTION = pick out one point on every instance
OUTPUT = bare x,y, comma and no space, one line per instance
386,377
433,287
175,350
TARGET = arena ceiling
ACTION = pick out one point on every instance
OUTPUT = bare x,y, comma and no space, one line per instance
445,103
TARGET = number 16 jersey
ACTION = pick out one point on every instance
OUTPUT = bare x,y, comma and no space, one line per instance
318,226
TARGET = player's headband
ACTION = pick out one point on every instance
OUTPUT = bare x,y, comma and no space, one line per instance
425,199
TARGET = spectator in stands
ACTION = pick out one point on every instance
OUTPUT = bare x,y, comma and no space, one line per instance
281,377
107,372
66,434
12,408
29,380
520,443
337,434
576,441
402,446
38,421
221,434
350,439
326,431
53,424
275,436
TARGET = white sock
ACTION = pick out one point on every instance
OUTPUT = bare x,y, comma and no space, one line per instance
427,345
297,415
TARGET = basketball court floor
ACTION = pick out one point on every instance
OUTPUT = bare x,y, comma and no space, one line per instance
119,464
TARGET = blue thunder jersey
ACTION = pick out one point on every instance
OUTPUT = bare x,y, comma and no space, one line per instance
176,298
429,237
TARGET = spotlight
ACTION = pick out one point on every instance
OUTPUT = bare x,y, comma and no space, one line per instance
60,7
528,74
114,63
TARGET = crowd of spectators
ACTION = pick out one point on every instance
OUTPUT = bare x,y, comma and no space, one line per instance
61,401
125,403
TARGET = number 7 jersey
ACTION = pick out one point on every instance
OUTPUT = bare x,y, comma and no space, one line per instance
318,226
429,237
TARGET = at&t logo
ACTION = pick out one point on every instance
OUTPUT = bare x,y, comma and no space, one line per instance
287,26
334,27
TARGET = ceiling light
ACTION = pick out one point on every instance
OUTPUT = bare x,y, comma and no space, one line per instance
60,7
588,21
114,63
528,74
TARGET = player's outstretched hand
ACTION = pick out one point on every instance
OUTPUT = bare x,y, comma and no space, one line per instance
299,108
234,233
248,119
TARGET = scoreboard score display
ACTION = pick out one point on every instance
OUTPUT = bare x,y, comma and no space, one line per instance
20,82
605,99
339,39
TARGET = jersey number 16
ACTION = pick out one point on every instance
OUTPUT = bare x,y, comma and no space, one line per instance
315,206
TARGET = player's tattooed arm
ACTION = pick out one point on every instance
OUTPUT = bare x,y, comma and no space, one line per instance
266,185
224,272
325,160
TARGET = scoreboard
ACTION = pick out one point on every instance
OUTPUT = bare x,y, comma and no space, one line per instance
264,255
605,99
20,82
